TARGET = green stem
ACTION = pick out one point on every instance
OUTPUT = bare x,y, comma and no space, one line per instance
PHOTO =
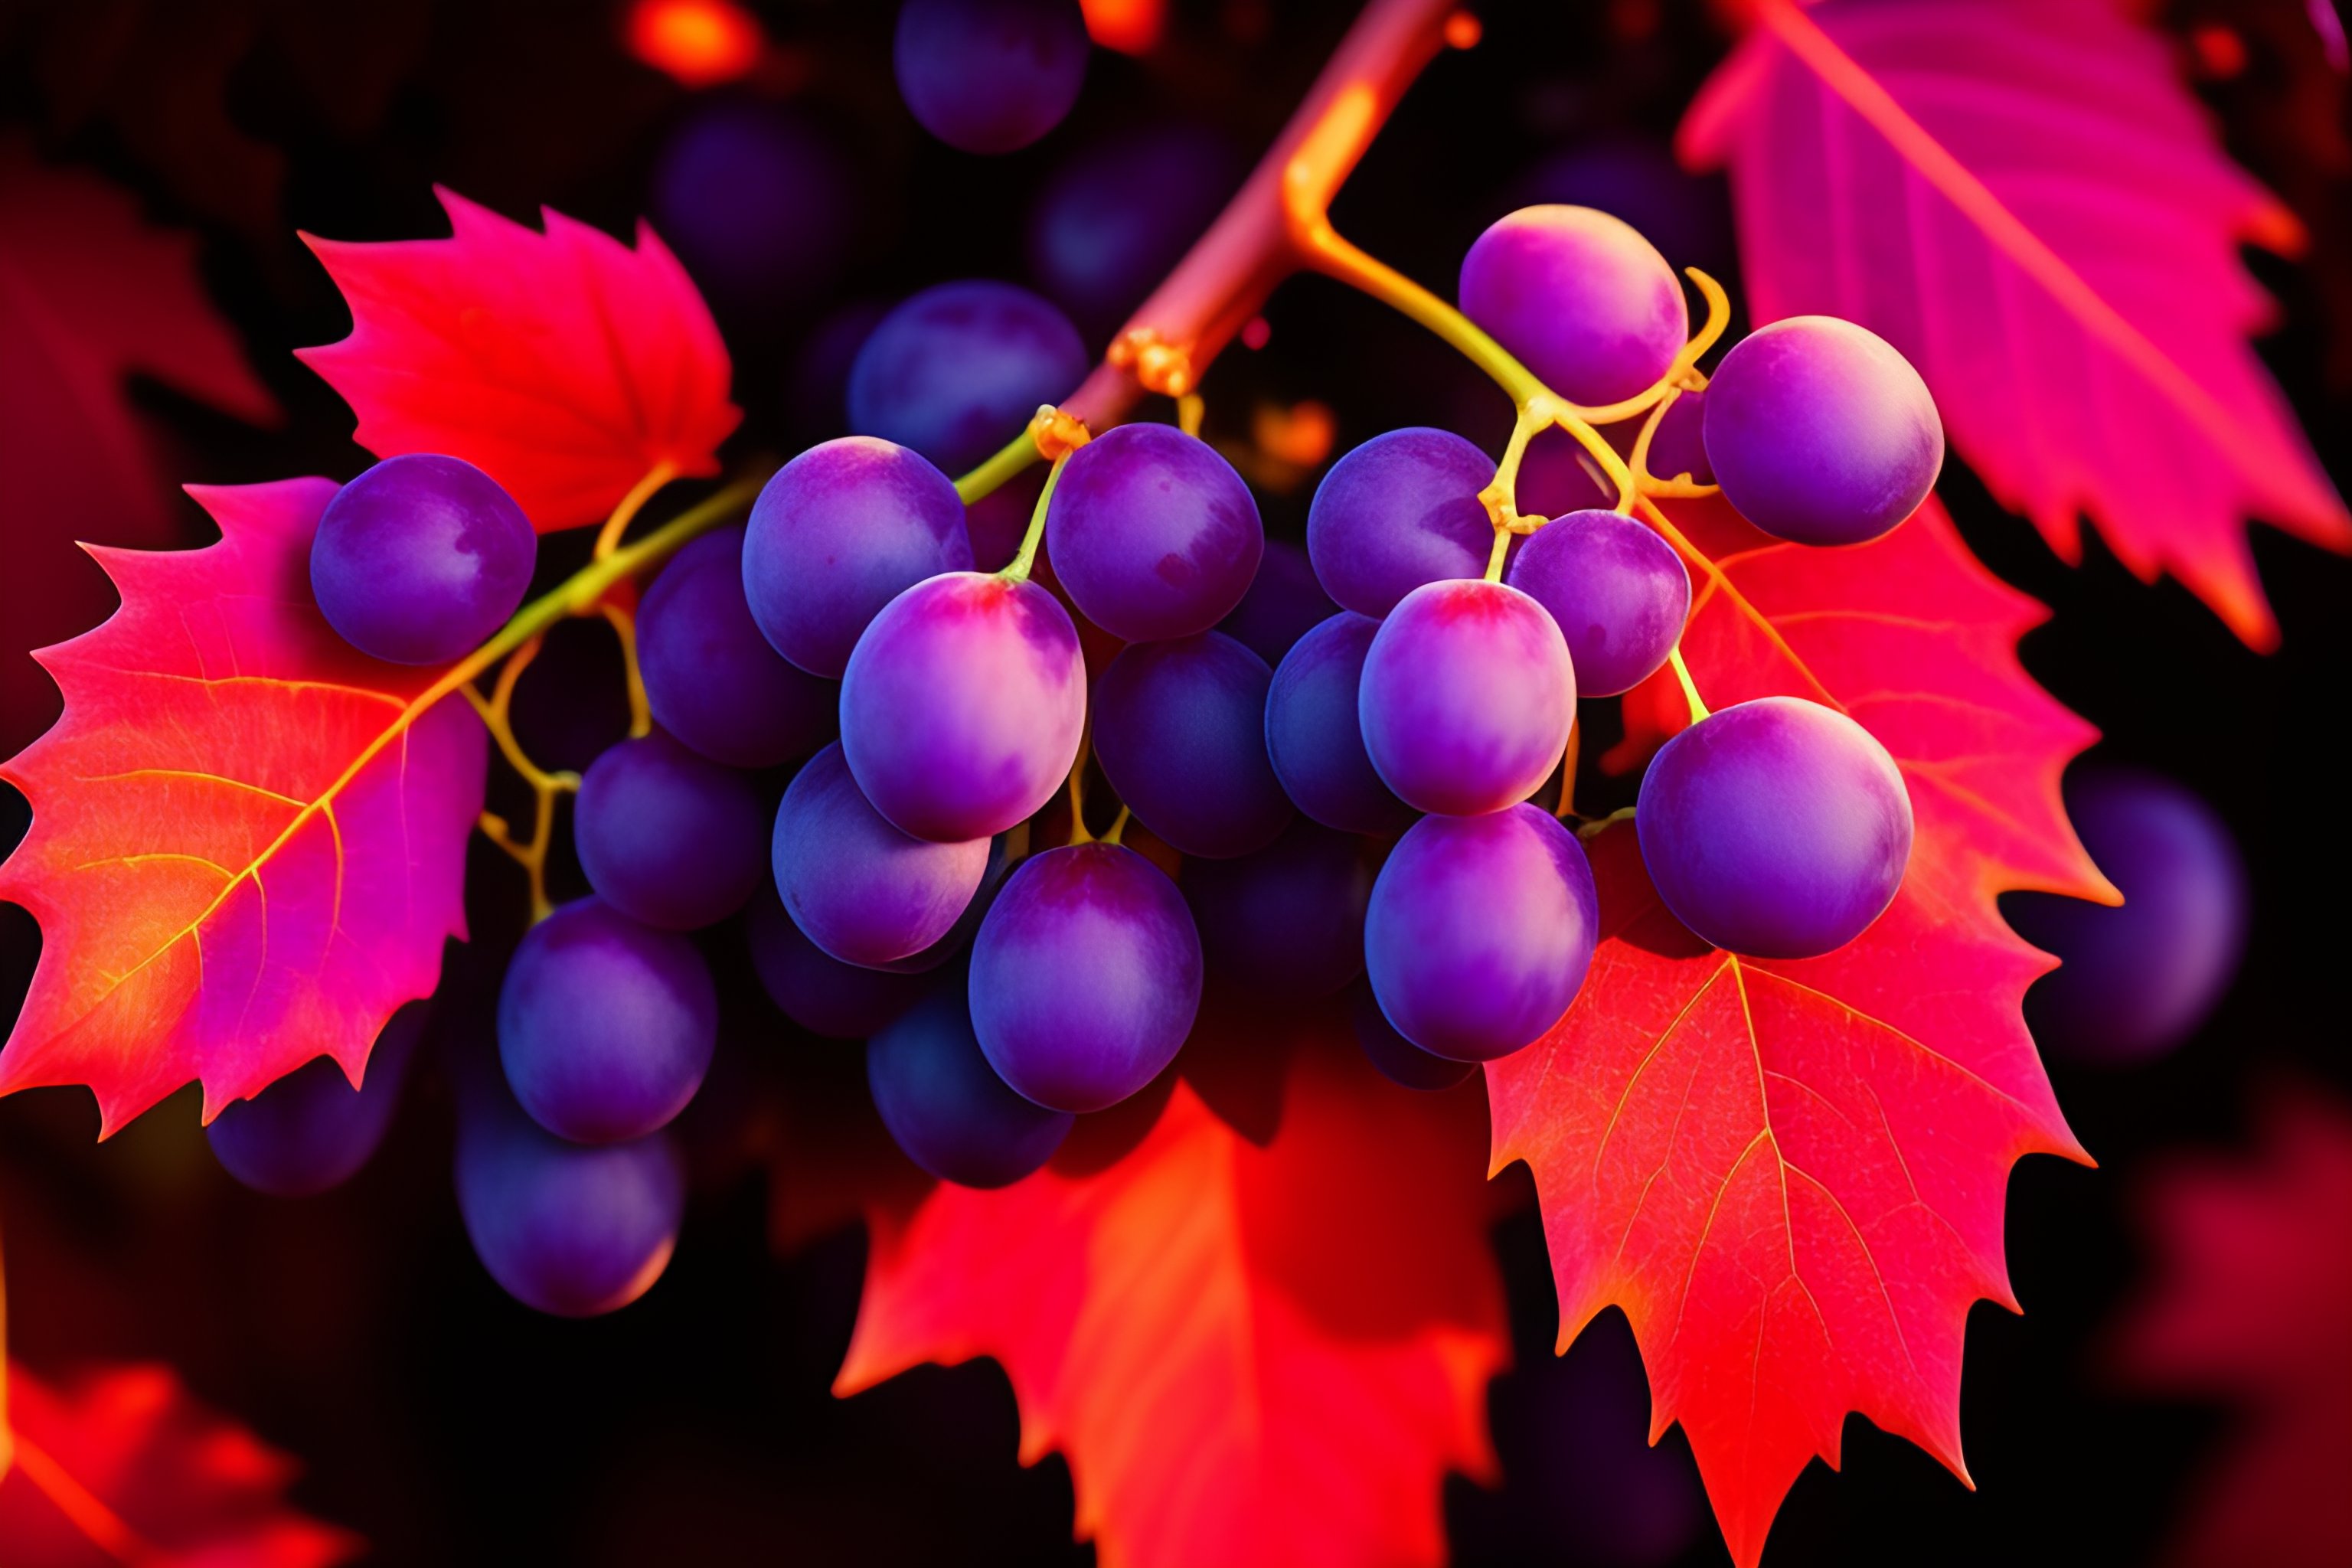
1019,570
1004,464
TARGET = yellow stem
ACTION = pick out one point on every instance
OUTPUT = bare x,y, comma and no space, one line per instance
1019,570
1190,411
1568,770
625,627
1117,825
608,538
1690,690
1077,791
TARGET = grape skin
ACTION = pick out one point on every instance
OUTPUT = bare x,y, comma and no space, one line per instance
1288,920
712,679
1284,604
1085,976
1580,298
957,370
420,559
1314,739
1180,730
758,204
1466,698
1152,534
990,76
862,891
311,1130
668,837
945,1106
1112,220
814,989
1399,1060
1480,931
1618,593
1400,511
1778,827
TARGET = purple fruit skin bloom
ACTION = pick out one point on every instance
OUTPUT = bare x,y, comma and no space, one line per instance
666,836
712,679
1288,922
1180,730
1819,432
814,989
957,371
990,76
1151,533
1399,1060
1314,739
420,559
945,1106
1580,297
962,707
840,531
606,1026
1618,593
311,1130
1398,511
1678,446
1480,931
864,892
1085,976
1467,698
2135,982
1284,604
1778,829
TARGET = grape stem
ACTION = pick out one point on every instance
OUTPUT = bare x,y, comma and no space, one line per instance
1018,571
1690,690
608,538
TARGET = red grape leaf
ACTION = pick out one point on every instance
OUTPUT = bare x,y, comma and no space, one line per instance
89,295
217,729
1249,1355
2252,1295
2021,197
1791,1175
565,365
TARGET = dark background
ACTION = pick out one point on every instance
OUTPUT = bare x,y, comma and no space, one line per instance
447,1424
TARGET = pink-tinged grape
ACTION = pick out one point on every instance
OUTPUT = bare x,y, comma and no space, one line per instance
945,1106
1398,511
1180,730
840,531
962,707
1580,297
1557,476
1284,604
606,1026
569,1230
1819,431
1112,220
758,203
957,370
1314,738
967,925
1618,593
1466,698
712,679
1399,1060
1085,976
1678,446
1287,920
864,892
1777,828
814,989
420,559
2136,981
1151,533
1480,931
668,837
311,1130
990,76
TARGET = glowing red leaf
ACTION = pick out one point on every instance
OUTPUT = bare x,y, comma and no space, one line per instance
2251,1302
122,1466
2021,197
1791,1175
249,841
564,364
1249,1355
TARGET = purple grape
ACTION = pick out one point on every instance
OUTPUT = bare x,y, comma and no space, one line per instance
957,370
962,707
817,391
1466,698
1480,931
2136,981
1778,827
1557,476
945,1106
1314,738
1398,511
1618,593
712,679
606,1026
573,1231
1113,219
840,531
1284,604
1678,446
1687,216
1821,433
1085,976
311,1130
864,892
1287,920
1151,533
420,559
990,76
668,837
1180,730
1580,297
1399,1060
817,990
757,202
